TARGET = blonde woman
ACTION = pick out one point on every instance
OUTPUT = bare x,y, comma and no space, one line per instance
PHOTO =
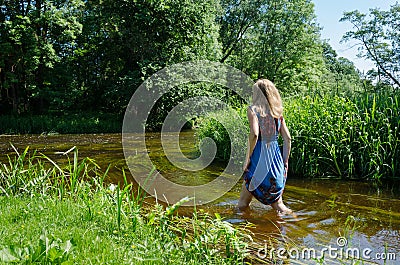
265,168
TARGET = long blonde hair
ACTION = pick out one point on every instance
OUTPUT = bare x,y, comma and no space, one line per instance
266,98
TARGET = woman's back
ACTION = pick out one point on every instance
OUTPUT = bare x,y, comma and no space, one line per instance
269,126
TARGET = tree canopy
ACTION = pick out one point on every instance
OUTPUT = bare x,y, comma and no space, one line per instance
378,37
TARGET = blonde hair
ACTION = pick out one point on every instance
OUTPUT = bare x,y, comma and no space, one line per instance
266,98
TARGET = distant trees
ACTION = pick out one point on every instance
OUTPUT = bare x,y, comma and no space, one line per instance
378,36
58,56
341,76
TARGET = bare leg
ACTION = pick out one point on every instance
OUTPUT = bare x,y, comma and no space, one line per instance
281,207
245,198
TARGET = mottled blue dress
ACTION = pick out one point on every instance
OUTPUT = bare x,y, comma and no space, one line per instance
265,176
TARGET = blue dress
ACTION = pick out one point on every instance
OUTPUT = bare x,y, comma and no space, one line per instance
265,176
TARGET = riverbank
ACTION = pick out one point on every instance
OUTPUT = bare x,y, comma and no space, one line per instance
64,123
365,214
66,214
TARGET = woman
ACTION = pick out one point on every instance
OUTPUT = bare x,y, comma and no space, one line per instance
266,167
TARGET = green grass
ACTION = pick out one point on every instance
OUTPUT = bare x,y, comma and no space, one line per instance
53,214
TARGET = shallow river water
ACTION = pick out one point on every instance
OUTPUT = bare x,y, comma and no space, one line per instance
347,218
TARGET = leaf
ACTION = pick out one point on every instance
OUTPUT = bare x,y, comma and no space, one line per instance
67,246
6,255
54,254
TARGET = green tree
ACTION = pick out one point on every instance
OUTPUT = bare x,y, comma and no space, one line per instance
35,36
378,37
341,77
278,40
235,21
124,42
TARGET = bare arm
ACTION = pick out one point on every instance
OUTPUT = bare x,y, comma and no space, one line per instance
286,143
253,135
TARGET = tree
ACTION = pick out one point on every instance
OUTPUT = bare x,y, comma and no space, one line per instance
125,42
378,37
281,42
237,18
342,76
35,35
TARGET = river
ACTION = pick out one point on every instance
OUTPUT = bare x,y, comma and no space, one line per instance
367,215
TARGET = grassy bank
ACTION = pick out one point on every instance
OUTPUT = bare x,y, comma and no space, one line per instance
65,123
53,214
332,136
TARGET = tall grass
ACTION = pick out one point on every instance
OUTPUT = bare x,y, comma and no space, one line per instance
347,138
334,136
67,214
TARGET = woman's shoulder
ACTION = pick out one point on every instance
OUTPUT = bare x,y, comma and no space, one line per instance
251,108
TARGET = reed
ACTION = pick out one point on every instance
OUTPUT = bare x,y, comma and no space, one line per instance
345,137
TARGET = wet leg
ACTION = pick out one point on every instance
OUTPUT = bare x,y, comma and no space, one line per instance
245,198
281,207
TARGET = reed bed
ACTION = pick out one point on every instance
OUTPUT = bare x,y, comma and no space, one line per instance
345,137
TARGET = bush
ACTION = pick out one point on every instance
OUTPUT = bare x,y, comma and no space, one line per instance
218,126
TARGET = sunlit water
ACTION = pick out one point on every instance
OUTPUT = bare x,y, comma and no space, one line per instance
367,215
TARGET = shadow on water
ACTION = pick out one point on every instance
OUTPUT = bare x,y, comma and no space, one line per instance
367,215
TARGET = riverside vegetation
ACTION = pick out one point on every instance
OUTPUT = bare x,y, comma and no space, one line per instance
60,59
53,214
333,136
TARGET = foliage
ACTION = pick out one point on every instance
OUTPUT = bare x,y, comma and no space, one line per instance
280,43
47,251
91,55
55,54
236,20
226,132
341,76
379,39
137,39
67,214
36,35
348,138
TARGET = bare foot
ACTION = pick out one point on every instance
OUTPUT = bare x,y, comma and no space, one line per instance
282,209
